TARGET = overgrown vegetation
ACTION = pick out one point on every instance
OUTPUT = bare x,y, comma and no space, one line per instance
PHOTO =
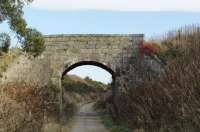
71,85
26,108
107,119
79,85
96,84
23,107
169,102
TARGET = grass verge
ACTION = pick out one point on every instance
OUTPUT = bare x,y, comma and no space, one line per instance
108,121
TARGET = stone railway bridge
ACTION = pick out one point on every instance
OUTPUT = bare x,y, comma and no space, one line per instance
118,54
65,52
106,51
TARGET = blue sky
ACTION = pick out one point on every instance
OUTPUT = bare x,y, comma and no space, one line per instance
99,17
95,21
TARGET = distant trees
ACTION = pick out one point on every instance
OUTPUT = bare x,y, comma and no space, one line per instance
11,11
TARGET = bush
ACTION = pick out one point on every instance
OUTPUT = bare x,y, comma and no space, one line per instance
108,121
33,42
4,42
82,85
170,101
30,104
74,86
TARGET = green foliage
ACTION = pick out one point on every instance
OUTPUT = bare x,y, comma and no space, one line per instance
96,84
12,12
120,129
108,121
84,86
74,86
34,42
4,42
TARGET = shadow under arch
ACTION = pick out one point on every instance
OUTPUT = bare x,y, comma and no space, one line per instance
93,63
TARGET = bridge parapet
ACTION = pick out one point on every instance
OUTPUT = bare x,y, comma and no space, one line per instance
92,39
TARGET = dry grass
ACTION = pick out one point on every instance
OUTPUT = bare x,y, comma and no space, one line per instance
7,58
169,102
23,107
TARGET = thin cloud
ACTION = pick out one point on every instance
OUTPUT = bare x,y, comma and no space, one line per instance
119,5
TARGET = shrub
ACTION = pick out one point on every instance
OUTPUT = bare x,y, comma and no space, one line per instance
170,101
147,48
34,42
32,103
74,86
4,42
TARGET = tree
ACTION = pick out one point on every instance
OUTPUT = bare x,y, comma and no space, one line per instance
33,42
11,11
4,42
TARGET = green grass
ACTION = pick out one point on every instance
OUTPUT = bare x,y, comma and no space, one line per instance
113,126
109,123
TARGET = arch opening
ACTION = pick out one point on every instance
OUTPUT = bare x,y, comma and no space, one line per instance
92,63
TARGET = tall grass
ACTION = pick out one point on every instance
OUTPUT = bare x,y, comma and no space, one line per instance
171,101
24,107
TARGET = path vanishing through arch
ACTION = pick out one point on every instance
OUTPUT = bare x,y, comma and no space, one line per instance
87,120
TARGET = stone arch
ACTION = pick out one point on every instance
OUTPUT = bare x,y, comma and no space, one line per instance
93,63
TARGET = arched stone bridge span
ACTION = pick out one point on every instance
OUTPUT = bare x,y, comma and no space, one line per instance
63,52
106,51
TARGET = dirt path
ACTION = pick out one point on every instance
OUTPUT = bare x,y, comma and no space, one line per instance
87,120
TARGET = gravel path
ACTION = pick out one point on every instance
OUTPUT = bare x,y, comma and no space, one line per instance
87,120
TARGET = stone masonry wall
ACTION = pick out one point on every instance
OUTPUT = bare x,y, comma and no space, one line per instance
27,69
63,51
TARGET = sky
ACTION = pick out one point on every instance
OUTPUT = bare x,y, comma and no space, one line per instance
150,17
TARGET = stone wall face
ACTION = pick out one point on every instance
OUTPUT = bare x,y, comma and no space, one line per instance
62,51
109,50
27,69
119,53
135,70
